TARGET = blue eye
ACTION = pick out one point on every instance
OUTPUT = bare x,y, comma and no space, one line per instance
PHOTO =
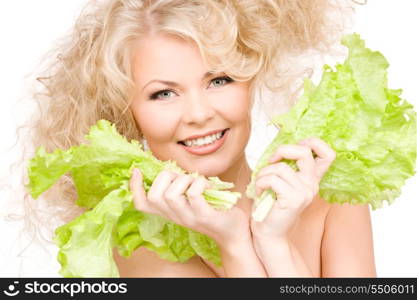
220,81
166,94
161,95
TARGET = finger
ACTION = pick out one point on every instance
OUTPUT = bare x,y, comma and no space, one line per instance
302,154
283,171
156,199
281,188
178,187
196,199
160,185
325,154
136,187
177,201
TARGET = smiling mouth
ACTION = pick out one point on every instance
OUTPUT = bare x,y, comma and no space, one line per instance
193,143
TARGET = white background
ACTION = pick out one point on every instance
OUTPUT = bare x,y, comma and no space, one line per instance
29,28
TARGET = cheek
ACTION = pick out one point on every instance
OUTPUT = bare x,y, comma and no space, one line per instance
236,106
156,124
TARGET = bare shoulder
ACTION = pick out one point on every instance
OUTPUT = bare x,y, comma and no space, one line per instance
317,210
332,212
145,263
347,214
347,244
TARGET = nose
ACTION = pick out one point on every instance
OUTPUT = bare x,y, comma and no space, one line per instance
197,109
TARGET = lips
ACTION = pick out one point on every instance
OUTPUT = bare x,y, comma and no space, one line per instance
207,149
193,137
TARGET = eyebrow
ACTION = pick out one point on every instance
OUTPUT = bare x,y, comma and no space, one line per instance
172,83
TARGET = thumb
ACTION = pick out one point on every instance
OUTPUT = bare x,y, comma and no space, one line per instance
136,187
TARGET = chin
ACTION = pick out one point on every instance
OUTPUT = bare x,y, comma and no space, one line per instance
208,168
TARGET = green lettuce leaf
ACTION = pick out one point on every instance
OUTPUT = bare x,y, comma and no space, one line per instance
101,170
372,130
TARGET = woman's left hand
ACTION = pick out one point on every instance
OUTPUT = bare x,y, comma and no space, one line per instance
294,189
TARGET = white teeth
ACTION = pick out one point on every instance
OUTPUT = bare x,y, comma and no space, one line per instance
203,140
200,141
188,143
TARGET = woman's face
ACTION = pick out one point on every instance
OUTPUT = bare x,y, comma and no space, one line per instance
177,98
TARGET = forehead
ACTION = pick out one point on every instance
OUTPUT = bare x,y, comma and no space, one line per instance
165,56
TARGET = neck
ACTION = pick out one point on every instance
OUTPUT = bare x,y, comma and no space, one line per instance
240,175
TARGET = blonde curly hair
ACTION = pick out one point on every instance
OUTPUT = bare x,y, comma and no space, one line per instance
89,76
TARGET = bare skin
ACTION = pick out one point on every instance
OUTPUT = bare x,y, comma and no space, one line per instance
333,240
302,236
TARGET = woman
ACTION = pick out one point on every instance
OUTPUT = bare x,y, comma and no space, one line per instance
183,76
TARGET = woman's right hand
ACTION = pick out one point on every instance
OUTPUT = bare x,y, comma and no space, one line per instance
178,198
